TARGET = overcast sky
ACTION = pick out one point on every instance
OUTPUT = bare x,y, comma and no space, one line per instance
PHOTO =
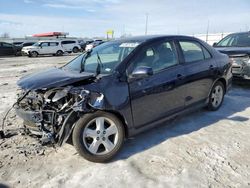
92,18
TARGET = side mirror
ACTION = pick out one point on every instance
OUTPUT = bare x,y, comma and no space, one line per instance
214,44
141,72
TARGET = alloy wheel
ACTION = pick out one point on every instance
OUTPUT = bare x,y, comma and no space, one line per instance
100,136
217,96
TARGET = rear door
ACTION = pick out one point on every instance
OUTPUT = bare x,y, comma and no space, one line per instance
161,94
53,47
200,70
65,45
68,45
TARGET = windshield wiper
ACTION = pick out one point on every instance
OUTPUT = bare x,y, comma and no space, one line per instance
99,64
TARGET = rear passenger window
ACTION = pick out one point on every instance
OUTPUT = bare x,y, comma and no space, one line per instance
193,51
207,55
54,44
68,42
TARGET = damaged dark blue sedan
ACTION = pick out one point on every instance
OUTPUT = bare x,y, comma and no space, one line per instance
122,88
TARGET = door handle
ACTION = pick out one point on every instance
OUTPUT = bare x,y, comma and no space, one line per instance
211,67
180,76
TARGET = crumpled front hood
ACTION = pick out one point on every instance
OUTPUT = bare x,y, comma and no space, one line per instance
54,77
234,50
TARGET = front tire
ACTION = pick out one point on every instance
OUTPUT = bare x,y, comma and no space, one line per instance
98,136
34,54
216,96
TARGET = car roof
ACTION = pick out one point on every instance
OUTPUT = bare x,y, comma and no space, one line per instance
146,38
68,40
48,41
240,33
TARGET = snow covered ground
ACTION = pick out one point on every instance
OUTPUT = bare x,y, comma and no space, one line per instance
203,149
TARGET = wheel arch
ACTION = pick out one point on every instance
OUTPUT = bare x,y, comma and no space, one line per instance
77,49
223,81
120,117
33,51
73,117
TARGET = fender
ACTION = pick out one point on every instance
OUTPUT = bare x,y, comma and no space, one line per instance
95,102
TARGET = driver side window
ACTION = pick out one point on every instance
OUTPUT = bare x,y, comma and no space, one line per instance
158,56
45,44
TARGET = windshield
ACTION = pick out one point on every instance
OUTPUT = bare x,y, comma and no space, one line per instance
103,59
36,44
236,40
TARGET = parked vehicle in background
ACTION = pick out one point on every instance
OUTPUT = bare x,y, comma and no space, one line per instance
93,44
71,46
44,48
83,44
24,44
7,49
120,89
20,46
237,47
17,43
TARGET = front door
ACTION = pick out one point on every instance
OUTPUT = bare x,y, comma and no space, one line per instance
161,94
44,48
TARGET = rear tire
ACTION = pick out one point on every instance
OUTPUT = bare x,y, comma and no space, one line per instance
98,136
75,50
216,96
59,53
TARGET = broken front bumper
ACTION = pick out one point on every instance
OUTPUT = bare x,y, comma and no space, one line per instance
34,120
241,68
29,116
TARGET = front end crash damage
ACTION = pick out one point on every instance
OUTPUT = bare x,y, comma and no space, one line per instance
51,114
241,65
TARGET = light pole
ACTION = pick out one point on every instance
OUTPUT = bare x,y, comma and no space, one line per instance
207,31
146,27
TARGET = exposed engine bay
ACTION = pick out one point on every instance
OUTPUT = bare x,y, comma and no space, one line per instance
51,114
